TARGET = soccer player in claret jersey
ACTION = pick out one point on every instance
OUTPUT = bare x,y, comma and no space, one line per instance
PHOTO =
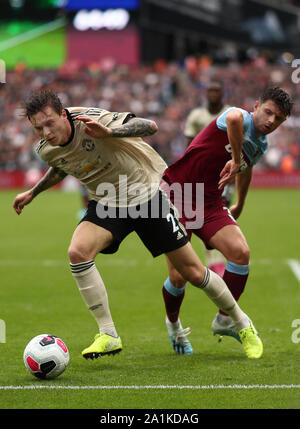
122,174
228,147
198,119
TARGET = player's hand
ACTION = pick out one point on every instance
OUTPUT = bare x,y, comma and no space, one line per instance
22,200
230,170
94,128
236,210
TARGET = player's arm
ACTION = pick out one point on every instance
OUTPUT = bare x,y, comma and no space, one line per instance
242,183
51,178
235,128
134,127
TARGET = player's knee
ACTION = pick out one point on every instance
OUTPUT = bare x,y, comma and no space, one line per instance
78,254
241,255
195,276
177,280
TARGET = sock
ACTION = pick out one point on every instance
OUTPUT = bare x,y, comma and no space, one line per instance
173,298
235,276
93,292
173,326
216,289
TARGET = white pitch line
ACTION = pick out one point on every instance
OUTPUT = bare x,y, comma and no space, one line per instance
294,264
158,387
295,267
31,34
60,262
103,261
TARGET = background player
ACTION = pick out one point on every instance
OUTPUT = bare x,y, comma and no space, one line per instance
228,147
104,150
198,119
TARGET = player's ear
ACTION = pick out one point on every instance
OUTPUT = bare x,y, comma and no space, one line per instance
256,104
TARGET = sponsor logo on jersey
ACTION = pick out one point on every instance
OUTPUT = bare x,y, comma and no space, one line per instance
87,167
88,145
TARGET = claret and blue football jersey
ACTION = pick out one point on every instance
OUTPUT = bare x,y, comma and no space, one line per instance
253,147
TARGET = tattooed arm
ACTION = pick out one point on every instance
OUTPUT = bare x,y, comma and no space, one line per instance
50,178
135,127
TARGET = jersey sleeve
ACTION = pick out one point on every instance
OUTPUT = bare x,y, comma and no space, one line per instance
106,118
38,150
221,120
191,130
115,119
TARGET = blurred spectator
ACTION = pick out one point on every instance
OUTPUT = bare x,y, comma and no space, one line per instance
163,92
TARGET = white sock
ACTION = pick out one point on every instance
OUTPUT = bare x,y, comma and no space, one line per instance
217,290
93,292
224,320
173,326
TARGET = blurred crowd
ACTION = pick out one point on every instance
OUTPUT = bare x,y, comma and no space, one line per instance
165,92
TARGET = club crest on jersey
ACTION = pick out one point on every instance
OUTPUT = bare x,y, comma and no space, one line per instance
63,161
88,145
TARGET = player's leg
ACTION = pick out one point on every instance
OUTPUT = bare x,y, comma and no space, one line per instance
173,293
231,242
166,234
187,263
87,241
214,259
190,267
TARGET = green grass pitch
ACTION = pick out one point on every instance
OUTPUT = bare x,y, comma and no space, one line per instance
45,51
39,295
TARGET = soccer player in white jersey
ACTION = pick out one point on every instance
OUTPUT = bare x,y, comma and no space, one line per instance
228,147
122,173
198,119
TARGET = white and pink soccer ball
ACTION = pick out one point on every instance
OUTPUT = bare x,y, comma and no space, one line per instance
46,356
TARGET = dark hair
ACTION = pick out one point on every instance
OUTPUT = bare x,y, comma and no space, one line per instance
37,101
214,83
280,97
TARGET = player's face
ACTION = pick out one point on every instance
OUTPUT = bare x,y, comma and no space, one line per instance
51,126
214,95
267,117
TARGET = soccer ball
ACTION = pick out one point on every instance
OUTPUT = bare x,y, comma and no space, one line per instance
46,356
